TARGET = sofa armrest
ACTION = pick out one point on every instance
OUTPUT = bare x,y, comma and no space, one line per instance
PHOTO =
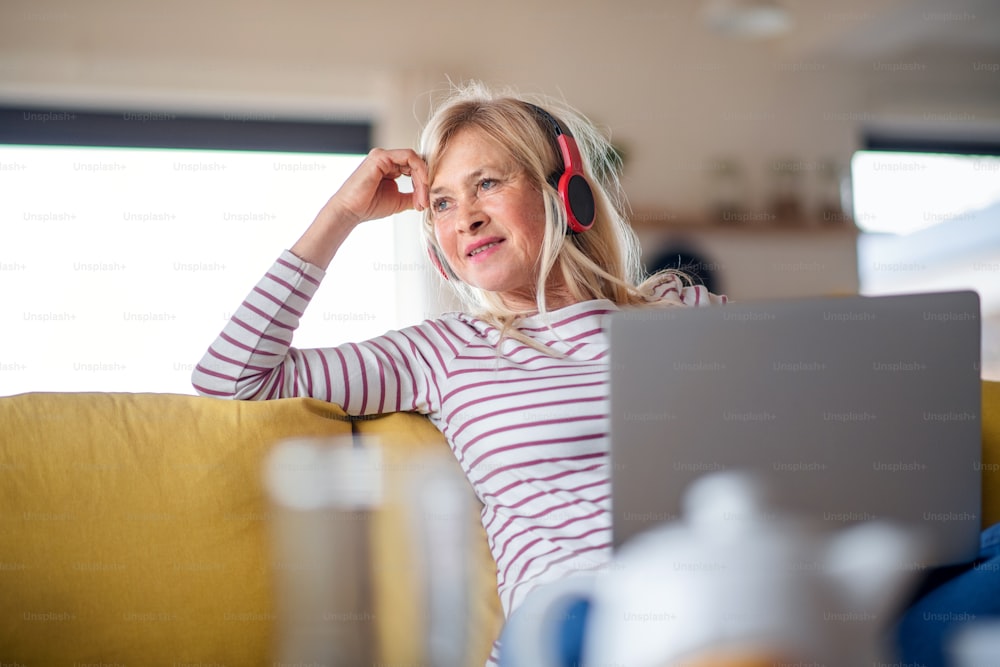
991,453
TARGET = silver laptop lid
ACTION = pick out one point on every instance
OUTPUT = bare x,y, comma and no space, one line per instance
853,408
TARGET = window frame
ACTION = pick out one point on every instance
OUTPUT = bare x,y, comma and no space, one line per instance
156,129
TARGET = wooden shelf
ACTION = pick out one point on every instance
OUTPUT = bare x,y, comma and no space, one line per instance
643,221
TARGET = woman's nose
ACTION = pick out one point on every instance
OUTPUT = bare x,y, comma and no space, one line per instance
472,216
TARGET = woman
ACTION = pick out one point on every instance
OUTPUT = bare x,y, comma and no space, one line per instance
518,383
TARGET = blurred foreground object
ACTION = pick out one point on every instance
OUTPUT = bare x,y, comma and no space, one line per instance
731,584
322,491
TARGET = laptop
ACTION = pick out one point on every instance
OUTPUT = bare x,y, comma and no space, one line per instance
851,408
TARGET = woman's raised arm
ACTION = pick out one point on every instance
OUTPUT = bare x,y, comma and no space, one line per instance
371,192
252,357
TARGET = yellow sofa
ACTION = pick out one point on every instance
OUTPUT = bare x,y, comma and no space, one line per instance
134,529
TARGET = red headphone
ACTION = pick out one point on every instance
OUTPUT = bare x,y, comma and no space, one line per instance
570,182
438,264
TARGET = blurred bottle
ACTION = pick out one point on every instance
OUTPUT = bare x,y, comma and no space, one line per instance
786,192
727,192
830,210
322,492
441,513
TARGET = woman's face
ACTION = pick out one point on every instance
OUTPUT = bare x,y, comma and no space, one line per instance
489,220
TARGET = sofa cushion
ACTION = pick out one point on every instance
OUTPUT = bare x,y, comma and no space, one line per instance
991,453
133,526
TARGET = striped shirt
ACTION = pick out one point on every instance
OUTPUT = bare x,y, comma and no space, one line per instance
530,430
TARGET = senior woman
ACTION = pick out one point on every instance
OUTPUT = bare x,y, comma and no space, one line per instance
523,217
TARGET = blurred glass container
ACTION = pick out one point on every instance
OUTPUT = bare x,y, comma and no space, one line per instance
322,492
441,513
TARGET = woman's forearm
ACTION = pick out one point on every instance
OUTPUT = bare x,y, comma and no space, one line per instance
321,240
252,357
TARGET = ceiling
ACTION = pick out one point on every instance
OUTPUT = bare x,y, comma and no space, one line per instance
479,37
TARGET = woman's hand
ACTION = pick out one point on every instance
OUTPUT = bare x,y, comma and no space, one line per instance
371,192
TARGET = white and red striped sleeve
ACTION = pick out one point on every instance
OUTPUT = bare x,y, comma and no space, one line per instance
673,290
253,358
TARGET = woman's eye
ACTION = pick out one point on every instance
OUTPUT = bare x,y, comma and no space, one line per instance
440,205
487,184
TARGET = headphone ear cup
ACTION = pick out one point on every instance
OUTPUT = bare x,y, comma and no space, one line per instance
579,200
438,264
575,191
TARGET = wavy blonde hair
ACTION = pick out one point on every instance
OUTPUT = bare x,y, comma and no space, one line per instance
602,263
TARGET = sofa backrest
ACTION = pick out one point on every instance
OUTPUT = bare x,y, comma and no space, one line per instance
133,527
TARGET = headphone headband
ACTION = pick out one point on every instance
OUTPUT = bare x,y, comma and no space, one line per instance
570,182
549,118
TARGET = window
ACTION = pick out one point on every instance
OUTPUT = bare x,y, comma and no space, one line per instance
931,222
119,264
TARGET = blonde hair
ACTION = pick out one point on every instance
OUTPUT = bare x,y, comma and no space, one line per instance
601,263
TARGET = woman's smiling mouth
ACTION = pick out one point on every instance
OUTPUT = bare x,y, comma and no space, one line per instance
483,247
